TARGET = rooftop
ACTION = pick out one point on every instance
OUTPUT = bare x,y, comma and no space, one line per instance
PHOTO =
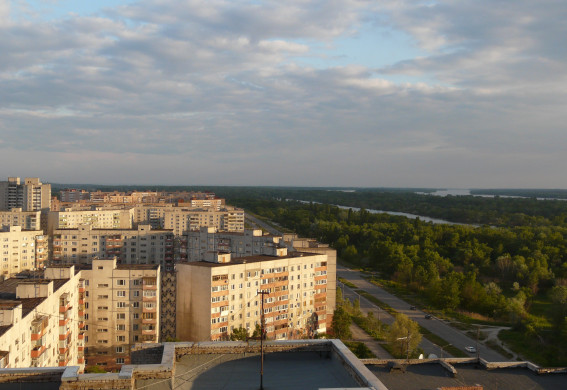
432,376
251,259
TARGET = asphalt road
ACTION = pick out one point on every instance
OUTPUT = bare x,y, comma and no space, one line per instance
366,306
261,224
436,326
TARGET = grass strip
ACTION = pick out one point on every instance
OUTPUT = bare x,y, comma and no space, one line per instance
435,339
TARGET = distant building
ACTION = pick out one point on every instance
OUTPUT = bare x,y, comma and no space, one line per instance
182,219
196,243
97,217
31,195
22,250
72,195
143,245
27,220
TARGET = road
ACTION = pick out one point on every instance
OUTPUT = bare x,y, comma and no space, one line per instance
261,224
436,326
367,306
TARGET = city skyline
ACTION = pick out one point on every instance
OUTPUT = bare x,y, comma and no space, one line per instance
346,93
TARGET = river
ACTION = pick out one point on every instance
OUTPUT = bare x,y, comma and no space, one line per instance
407,215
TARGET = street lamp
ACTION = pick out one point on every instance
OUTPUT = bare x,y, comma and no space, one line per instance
407,338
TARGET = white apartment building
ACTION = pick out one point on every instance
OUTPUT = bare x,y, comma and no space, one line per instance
220,295
31,195
40,320
27,220
22,250
195,244
143,245
98,217
123,309
183,219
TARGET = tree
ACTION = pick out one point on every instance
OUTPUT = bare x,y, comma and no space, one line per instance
404,336
239,334
341,324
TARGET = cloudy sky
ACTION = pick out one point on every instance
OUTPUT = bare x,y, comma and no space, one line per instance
375,93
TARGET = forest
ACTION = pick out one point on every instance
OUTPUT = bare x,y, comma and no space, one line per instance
515,274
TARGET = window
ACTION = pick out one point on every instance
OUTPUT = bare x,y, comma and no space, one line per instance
119,349
121,338
120,304
119,360
121,316
120,293
135,305
121,327
121,282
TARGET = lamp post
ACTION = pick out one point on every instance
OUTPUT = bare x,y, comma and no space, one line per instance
407,338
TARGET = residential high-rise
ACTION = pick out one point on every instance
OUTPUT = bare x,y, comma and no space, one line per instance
123,309
31,195
22,250
222,294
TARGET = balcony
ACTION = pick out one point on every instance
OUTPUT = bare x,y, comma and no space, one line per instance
37,351
149,321
149,286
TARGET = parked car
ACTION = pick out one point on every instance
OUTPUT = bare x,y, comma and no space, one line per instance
413,308
470,349
428,316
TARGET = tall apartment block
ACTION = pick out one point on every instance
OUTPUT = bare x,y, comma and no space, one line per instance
22,250
31,195
143,245
221,294
41,322
310,245
195,244
122,309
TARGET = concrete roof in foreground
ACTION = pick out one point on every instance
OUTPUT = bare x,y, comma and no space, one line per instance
433,376
282,371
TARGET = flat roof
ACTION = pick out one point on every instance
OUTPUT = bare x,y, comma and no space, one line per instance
250,259
431,376
282,371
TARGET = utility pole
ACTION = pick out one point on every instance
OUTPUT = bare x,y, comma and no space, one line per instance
262,330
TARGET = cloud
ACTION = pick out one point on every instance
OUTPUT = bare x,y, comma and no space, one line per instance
162,87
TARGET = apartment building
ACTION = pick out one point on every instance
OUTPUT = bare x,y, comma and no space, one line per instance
22,250
143,245
183,219
27,220
215,203
221,294
122,309
41,323
29,195
73,195
195,244
98,217
310,245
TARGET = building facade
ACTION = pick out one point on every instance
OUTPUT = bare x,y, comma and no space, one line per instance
27,220
222,294
29,195
40,320
123,309
143,245
97,217
22,250
196,243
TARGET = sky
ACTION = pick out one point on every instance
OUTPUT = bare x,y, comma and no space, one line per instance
365,93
